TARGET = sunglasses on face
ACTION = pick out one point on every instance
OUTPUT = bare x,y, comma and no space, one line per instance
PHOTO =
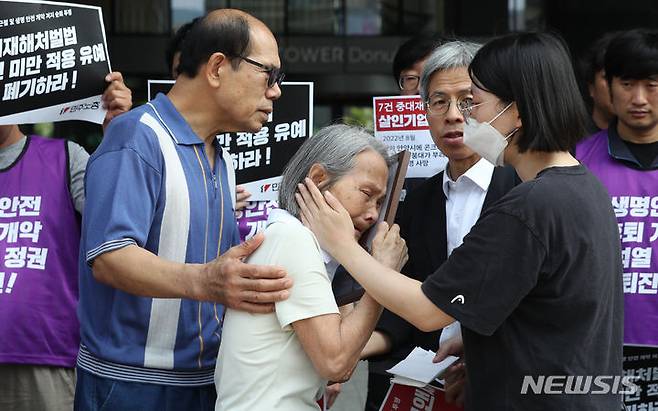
274,75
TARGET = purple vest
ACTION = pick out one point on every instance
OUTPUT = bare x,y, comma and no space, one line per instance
635,200
39,241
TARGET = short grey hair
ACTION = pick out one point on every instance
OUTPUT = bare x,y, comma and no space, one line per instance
335,148
446,57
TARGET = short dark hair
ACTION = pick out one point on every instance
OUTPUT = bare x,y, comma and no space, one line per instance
176,41
534,71
227,34
414,50
632,54
592,61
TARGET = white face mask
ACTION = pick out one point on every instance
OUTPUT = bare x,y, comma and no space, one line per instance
485,140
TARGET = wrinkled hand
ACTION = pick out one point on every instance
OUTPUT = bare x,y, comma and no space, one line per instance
241,197
455,375
247,287
325,216
389,248
117,97
331,393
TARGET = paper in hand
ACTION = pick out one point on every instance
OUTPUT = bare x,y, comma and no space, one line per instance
418,369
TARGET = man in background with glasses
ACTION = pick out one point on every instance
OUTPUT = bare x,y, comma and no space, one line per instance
435,217
409,61
408,65
159,256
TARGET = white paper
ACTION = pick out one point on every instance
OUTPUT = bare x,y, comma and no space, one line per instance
418,366
407,381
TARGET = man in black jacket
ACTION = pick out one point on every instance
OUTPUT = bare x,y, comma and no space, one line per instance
436,215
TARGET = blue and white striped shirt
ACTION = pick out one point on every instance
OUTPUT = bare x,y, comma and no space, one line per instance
150,184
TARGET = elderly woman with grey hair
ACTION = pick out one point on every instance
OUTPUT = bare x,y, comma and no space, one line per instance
283,360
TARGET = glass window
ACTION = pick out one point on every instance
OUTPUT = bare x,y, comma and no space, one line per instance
315,17
183,11
145,16
363,17
525,15
419,16
271,12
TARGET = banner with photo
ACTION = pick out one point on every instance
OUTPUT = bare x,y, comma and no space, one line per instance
401,123
259,158
53,61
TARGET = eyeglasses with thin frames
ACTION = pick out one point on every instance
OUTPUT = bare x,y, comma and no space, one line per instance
274,75
408,82
439,106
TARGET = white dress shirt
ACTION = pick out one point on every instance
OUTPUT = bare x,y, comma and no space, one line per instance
464,200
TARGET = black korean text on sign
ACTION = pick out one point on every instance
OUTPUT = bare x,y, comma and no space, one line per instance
641,366
264,154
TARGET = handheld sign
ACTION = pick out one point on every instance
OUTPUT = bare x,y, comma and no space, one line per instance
401,124
53,61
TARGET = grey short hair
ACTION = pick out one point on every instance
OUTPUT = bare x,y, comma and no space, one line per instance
448,56
333,147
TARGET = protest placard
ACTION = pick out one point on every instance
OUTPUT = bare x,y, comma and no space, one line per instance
641,365
401,123
259,158
53,61
407,398
397,172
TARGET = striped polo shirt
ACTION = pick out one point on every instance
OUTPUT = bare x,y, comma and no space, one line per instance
150,184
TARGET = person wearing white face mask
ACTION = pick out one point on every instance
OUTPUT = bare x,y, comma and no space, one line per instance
536,284
485,140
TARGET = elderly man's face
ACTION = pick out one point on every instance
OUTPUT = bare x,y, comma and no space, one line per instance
245,97
447,128
363,190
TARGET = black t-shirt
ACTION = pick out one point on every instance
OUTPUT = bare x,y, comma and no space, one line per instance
645,153
537,286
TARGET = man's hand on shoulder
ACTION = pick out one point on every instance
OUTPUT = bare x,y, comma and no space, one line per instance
246,287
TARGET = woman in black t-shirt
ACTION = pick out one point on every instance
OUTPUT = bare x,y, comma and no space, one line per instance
537,283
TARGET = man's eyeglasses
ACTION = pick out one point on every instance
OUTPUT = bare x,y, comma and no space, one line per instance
439,105
408,82
274,75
